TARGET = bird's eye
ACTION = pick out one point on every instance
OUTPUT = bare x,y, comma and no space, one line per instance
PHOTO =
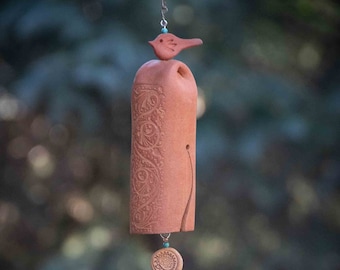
161,40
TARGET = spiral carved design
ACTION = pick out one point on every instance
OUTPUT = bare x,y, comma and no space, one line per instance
167,259
147,156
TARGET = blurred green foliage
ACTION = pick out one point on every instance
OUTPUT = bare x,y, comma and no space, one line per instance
268,168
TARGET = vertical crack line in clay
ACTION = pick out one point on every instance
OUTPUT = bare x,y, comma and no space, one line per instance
191,190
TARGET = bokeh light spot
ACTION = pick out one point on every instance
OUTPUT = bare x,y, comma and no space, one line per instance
41,161
100,237
305,200
74,247
212,249
9,107
262,235
201,104
309,57
105,199
79,208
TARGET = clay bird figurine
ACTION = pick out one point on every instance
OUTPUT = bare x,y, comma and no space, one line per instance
167,46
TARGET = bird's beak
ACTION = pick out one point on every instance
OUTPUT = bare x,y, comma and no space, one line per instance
188,43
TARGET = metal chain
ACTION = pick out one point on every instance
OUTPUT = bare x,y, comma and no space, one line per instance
164,22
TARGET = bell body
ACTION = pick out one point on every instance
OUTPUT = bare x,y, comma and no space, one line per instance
163,148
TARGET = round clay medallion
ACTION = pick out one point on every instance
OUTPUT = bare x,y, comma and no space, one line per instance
167,259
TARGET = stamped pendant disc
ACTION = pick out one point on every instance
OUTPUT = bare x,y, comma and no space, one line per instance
167,259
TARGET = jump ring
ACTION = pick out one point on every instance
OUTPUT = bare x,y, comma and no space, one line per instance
164,22
165,236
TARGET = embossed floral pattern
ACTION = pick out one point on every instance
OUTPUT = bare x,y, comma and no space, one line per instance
167,259
147,156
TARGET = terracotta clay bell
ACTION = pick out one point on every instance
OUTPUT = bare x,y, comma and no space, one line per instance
163,146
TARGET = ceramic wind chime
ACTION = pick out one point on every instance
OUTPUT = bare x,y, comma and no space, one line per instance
163,146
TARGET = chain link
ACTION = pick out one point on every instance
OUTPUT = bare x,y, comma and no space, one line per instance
164,9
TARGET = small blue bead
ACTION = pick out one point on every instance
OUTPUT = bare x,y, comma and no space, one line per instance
164,30
166,244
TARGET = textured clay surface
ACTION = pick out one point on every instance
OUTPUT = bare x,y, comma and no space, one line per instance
167,259
163,148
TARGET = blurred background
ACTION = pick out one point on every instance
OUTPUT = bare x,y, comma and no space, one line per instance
268,139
